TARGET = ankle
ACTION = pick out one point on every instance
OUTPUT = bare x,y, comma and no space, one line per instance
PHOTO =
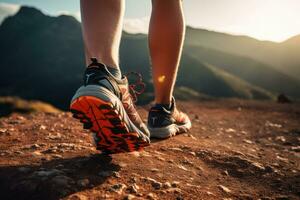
163,101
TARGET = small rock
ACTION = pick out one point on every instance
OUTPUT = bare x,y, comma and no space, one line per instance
182,167
280,138
258,165
285,160
174,190
151,196
133,188
35,146
210,193
36,153
19,152
52,172
270,124
148,179
105,173
154,170
51,150
176,149
132,180
175,184
187,162
145,154
225,173
3,130
116,174
42,127
83,182
156,185
118,188
224,189
135,153
61,181
158,157
55,137
276,164
247,141
297,148
59,166
191,136
122,164
57,156
230,130
167,185
193,153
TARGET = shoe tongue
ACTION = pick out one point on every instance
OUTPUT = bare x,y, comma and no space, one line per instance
165,106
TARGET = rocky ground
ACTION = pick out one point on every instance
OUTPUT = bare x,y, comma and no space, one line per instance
235,150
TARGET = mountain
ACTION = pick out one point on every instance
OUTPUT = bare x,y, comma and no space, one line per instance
252,71
282,56
42,58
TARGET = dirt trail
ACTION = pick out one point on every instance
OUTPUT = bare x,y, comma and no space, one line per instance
235,150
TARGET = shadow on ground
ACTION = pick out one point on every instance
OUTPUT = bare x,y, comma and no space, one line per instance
56,178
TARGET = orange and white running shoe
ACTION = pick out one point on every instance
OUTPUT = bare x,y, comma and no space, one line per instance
105,106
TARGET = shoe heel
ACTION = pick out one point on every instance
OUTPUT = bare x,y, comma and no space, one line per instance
102,118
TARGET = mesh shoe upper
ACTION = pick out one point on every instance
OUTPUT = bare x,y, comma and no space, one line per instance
160,116
98,74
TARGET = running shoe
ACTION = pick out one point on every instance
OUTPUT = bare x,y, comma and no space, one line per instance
104,105
167,122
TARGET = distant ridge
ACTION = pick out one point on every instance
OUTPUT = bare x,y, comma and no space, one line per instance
280,56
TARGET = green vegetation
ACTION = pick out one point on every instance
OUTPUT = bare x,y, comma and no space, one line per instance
9,105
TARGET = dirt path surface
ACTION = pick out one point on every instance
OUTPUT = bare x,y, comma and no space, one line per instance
235,150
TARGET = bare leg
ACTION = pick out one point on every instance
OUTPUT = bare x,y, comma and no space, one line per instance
102,28
166,34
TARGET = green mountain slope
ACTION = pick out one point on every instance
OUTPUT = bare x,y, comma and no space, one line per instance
41,57
252,71
216,82
282,56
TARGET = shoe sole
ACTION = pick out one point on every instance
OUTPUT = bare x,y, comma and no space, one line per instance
169,131
102,118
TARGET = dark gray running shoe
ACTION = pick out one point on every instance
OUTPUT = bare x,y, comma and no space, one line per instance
165,123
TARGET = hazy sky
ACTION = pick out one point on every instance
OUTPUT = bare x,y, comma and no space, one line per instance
274,20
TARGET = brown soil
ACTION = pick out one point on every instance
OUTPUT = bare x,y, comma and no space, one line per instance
235,150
